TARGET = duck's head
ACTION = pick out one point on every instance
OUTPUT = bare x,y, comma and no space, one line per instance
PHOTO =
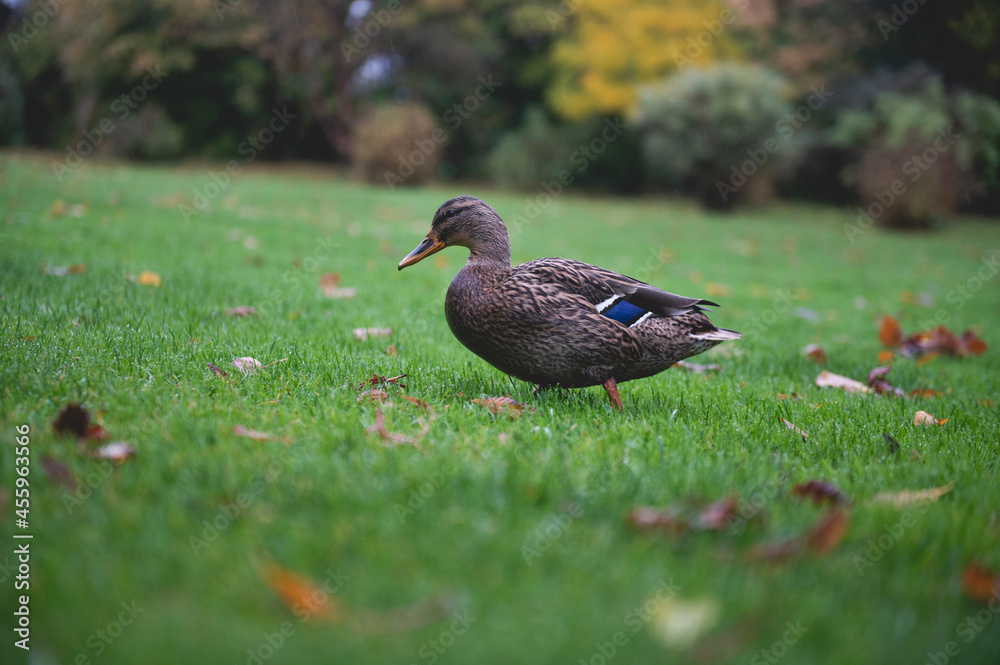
467,222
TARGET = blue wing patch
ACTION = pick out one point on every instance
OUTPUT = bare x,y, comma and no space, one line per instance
624,312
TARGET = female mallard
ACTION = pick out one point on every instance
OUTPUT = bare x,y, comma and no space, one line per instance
557,322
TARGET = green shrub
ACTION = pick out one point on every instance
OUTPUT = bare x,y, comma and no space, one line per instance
598,154
147,133
709,131
918,151
397,144
11,107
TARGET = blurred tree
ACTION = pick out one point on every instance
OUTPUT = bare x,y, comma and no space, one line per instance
611,47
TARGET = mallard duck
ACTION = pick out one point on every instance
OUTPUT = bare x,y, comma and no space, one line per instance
558,322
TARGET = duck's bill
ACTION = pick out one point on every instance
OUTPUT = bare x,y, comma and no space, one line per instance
423,250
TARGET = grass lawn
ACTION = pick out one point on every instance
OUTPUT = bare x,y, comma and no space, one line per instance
499,539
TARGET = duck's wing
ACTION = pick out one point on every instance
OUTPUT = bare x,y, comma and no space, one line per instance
612,295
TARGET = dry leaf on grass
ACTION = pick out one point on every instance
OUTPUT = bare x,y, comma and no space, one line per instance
256,435
504,404
329,285
242,310
924,418
381,381
925,342
697,368
790,425
687,516
827,534
75,420
62,271
419,402
148,278
247,365
216,371
678,623
889,332
911,497
980,583
390,437
816,353
820,492
828,379
374,395
363,334
302,597
881,385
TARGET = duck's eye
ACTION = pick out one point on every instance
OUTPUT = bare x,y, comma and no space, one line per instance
449,213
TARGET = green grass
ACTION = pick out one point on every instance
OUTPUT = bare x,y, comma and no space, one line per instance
136,356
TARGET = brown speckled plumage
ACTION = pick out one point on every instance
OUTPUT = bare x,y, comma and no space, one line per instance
540,321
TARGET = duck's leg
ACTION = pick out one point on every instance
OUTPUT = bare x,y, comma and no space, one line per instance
612,389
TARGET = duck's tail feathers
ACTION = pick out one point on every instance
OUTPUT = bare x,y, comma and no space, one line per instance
719,334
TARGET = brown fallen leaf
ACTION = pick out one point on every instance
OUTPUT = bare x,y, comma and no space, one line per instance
375,395
503,404
59,472
62,271
688,516
885,357
828,379
242,310
256,435
419,402
881,385
378,381
889,332
216,371
697,368
718,515
911,497
149,278
362,334
303,597
329,286
668,518
924,418
820,492
795,429
75,420
391,437
924,392
391,350
816,353
980,583
828,533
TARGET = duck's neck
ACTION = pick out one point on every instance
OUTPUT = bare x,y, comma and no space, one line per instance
492,248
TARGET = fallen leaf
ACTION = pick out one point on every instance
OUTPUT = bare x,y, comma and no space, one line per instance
827,534
828,379
58,208
910,497
816,353
59,472
795,429
73,419
889,332
820,492
62,271
247,365
715,516
504,404
364,333
419,402
377,380
715,289
718,515
303,597
328,285
678,623
375,395
240,430
980,583
242,310
118,452
216,371
149,278
924,392
885,357
668,518
697,368
881,385
924,418
391,437
391,350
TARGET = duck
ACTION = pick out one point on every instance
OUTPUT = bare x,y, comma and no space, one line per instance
558,322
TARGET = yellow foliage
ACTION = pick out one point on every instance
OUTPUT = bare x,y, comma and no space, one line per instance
611,47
